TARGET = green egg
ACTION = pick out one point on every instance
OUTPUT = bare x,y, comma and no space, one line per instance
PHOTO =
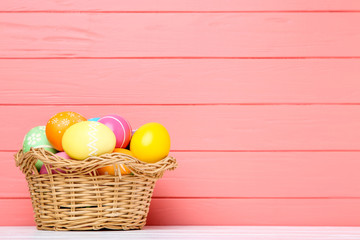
36,138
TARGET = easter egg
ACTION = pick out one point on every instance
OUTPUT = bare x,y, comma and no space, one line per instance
110,170
88,138
36,138
150,143
57,125
94,119
63,155
43,169
120,127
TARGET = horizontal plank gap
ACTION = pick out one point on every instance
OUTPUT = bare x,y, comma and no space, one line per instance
230,198
301,150
178,104
184,57
245,11
254,151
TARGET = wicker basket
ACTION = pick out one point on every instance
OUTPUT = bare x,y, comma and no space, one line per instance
80,200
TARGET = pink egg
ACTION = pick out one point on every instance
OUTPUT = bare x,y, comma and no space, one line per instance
120,127
43,169
63,155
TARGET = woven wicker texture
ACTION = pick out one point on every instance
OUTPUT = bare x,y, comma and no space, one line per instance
78,199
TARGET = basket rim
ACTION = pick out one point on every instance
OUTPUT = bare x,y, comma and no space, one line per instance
26,163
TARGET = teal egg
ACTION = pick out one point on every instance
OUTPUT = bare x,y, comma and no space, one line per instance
94,119
36,138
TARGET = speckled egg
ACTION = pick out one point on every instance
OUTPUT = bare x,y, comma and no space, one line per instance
57,125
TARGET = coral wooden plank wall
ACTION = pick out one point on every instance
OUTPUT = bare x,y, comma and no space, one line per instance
261,98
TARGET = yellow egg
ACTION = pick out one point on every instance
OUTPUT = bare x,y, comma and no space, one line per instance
88,138
150,143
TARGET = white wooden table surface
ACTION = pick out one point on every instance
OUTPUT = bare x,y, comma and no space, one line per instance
191,232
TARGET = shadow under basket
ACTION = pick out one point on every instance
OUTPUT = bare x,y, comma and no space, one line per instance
73,197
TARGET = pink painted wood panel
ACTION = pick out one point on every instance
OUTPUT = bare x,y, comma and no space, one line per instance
270,212
179,5
179,81
237,174
260,98
214,127
38,35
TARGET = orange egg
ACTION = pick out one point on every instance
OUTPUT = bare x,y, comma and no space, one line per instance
110,170
57,125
